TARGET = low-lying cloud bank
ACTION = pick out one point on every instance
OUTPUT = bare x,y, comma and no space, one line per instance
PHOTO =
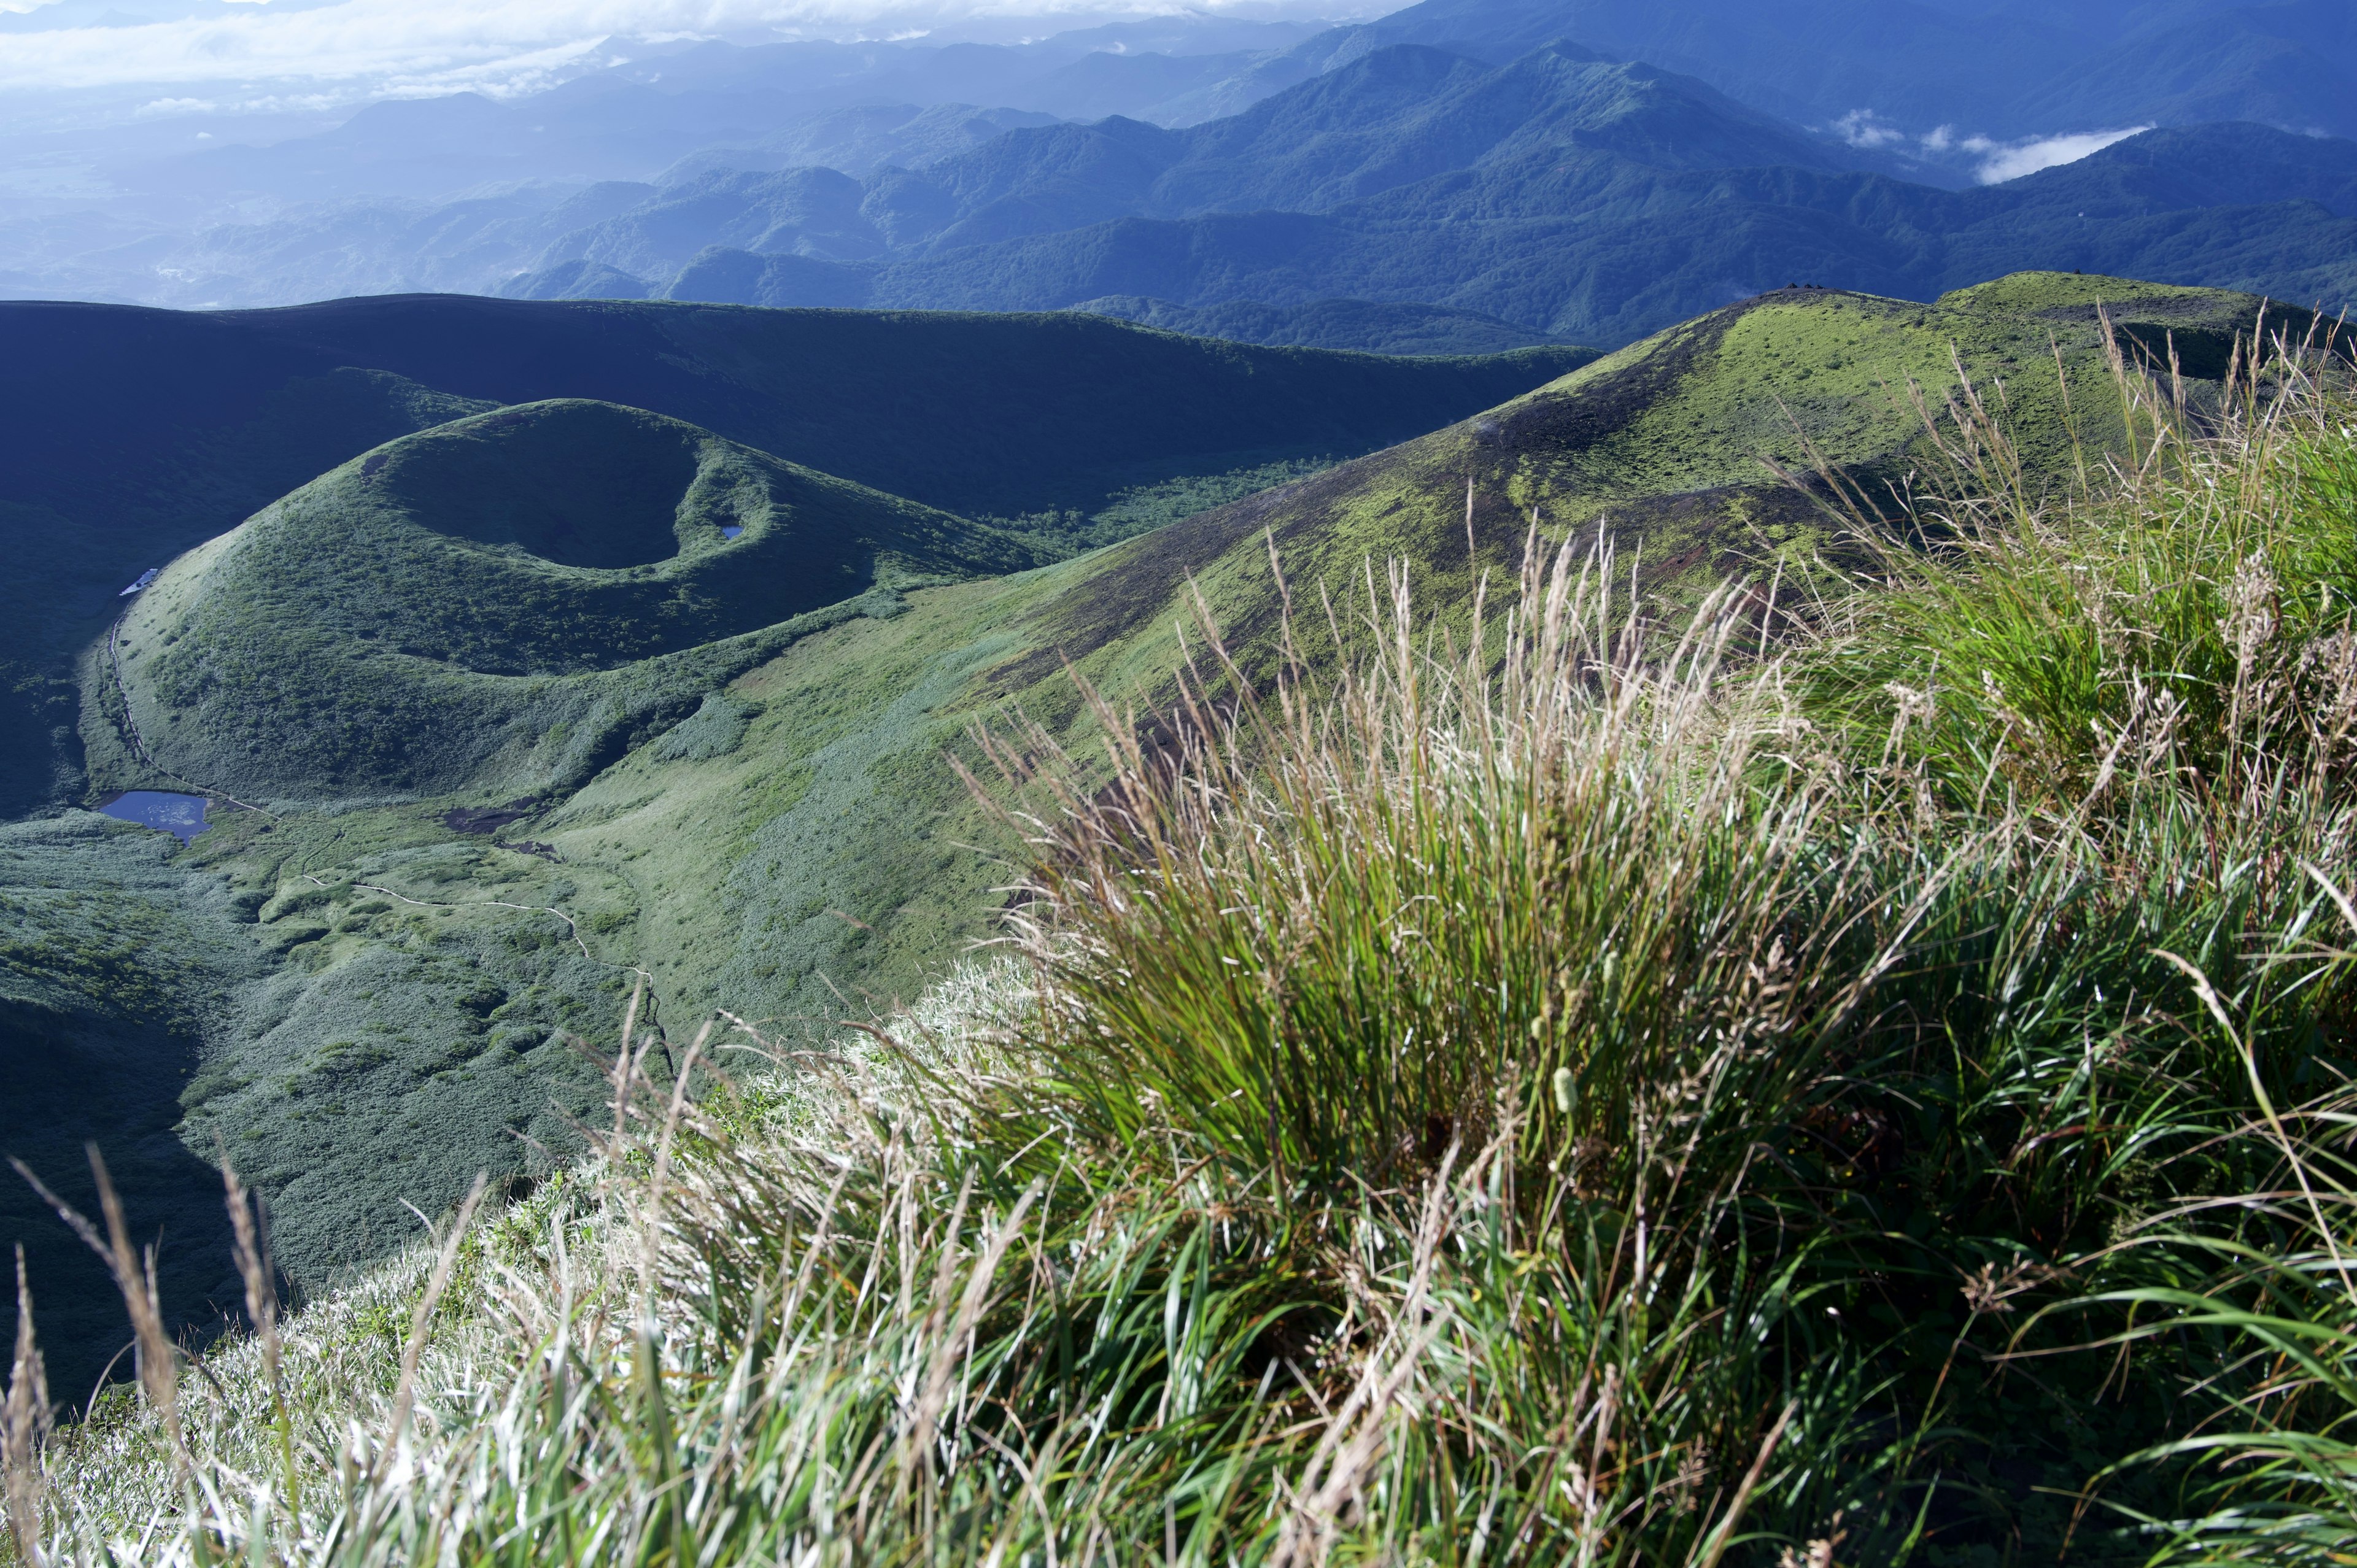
1993,162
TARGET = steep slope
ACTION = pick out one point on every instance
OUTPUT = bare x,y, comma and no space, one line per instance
452,609
128,435
795,844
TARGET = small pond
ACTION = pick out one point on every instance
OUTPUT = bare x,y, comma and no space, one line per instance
731,530
180,815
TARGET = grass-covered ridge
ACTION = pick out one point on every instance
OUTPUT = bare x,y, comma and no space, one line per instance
1573,1080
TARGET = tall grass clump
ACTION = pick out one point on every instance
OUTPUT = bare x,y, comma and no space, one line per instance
2187,617
1551,1084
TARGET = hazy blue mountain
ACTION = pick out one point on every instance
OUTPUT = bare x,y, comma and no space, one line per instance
1186,116
277,200
633,121
859,140
1592,246
1387,120
2004,71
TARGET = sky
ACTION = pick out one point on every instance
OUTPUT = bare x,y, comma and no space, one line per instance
417,46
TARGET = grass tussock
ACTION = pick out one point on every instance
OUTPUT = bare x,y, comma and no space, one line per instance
1573,1090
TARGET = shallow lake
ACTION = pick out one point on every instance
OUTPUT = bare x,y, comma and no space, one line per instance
181,816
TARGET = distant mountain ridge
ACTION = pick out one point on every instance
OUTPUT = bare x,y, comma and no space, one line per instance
1387,120
2011,71
469,194
1576,240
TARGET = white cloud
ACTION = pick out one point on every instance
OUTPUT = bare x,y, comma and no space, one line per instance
2011,162
1998,161
429,43
1862,128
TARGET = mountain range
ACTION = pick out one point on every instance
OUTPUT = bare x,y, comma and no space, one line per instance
1582,170
1575,197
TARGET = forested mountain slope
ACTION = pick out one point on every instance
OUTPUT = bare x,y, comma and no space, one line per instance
1590,245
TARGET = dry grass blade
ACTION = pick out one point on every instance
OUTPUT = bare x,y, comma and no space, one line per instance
24,1423
158,1364
1723,1536
404,1397
262,1314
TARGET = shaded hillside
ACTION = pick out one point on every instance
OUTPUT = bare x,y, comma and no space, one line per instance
128,435
115,964
1396,327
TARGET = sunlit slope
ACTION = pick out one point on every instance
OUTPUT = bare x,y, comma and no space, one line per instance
824,846
500,602
1673,445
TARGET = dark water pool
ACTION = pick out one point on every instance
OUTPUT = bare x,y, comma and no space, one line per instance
181,816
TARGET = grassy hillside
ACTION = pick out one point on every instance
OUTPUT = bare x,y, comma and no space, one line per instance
818,848
1606,1088
836,801
797,846
128,436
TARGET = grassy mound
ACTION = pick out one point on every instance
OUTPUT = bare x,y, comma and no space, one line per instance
1599,1085
491,601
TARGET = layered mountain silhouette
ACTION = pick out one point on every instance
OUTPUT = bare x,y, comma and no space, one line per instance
1569,195
2011,71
